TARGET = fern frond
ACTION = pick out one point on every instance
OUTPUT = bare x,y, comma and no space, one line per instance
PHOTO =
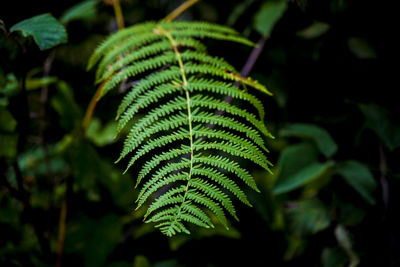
178,86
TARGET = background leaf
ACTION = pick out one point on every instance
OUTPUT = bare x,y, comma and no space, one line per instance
378,119
361,48
268,16
359,177
308,216
95,238
45,30
7,121
315,30
85,10
298,165
319,135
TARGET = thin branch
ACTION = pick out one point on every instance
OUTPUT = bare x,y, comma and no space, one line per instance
179,10
118,14
92,106
43,106
384,181
93,102
61,232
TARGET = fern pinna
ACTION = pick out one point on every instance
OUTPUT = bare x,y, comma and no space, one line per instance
180,87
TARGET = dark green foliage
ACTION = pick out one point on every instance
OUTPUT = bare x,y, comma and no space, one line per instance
174,93
44,29
331,199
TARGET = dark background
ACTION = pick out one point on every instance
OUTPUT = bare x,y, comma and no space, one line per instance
322,81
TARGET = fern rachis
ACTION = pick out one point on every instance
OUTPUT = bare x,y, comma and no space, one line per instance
180,88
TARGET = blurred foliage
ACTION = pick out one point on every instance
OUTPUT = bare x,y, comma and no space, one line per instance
332,197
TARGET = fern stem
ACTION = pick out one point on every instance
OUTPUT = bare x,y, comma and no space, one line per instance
92,105
118,14
189,112
179,10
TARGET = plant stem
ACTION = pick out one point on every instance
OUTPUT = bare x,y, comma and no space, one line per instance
120,21
179,10
92,106
118,14
189,112
93,102
384,182
61,232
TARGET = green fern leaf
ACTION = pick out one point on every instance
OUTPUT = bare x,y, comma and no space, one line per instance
185,167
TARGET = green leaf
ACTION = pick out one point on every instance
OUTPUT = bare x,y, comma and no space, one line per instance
238,11
314,30
64,103
9,85
35,83
45,30
141,261
345,241
7,121
361,48
8,145
298,165
306,175
334,257
321,137
309,216
95,239
81,11
268,16
359,177
378,119
101,136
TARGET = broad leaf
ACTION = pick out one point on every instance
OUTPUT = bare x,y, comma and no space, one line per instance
322,138
378,119
314,30
298,165
83,10
268,16
308,216
95,239
361,48
8,145
7,121
359,177
45,30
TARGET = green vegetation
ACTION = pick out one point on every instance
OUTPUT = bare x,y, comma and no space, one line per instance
97,97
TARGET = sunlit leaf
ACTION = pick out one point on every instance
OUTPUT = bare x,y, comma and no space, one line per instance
45,30
359,177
